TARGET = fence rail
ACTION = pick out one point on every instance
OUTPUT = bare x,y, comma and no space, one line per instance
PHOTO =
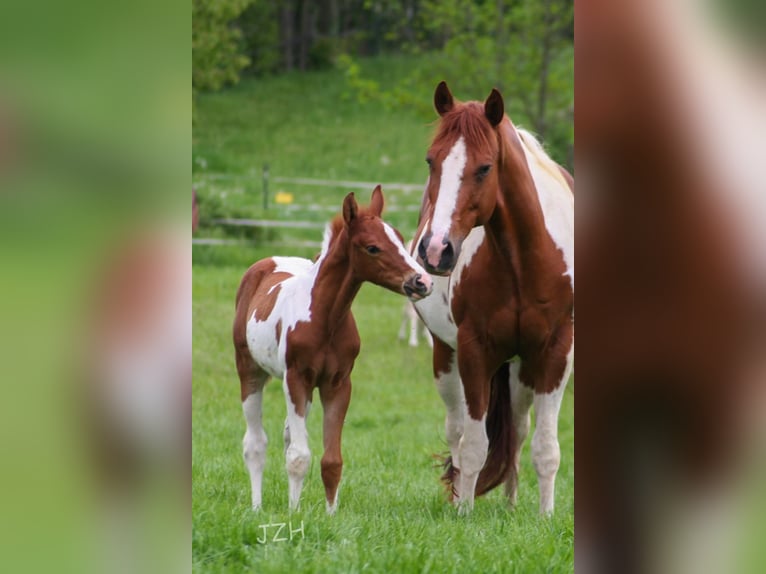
266,223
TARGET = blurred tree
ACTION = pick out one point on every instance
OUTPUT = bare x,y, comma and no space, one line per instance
522,47
216,56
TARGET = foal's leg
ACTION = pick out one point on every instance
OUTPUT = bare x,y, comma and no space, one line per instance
450,389
521,402
335,404
297,453
546,453
252,380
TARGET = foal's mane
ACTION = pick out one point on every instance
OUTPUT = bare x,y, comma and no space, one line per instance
467,120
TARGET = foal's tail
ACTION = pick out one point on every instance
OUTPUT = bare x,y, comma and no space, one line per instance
499,463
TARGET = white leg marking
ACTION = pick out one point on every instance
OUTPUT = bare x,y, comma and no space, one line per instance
405,320
546,453
413,317
451,391
297,453
405,255
254,444
473,454
428,337
521,402
331,508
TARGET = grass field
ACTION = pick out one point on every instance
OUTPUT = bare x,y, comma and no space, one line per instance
393,515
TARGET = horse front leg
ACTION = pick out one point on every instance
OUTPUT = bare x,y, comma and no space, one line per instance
334,404
297,453
474,443
450,389
549,392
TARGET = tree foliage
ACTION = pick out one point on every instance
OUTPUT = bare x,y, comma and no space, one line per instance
216,50
522,47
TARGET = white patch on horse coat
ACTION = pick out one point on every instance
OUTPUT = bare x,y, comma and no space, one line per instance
452,175
435,311
556,199
292,306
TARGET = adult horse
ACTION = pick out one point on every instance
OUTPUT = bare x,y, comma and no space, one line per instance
293,322
496,231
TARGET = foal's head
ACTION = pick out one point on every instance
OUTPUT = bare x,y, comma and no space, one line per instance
376,250
463,181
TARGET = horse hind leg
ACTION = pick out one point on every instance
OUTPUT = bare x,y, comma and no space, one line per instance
252,381
297,453
521,402
412,315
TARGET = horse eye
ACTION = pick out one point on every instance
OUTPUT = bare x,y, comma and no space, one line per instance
482,171
373,249
429,161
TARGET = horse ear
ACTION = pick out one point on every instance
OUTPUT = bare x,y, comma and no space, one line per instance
494,108
443,100
350,208
376,202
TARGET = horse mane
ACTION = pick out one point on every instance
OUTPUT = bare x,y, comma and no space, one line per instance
467,120
535,148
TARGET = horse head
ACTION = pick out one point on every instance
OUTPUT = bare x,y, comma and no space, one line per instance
461,192
377,253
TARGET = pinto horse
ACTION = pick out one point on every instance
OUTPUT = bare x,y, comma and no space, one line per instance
293,322
496,231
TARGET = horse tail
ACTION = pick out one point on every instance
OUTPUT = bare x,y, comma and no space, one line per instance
499,426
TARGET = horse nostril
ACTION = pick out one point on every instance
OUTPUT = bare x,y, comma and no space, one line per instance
448,256
419,285
422,249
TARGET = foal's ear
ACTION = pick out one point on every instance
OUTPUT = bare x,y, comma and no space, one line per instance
376,202
494,108
350,208
443,100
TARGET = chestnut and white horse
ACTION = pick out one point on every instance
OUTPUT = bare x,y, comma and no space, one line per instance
293,322
496,231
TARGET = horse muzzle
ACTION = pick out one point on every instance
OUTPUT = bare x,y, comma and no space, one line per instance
439,256
418,287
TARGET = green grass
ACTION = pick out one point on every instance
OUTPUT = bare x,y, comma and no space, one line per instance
306,125
393,514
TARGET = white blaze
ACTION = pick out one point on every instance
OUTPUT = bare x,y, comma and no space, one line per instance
408,259
452,176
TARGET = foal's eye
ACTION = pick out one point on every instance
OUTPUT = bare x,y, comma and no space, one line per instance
429,161
482,172
373,249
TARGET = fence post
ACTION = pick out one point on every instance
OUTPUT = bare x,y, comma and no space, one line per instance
265,186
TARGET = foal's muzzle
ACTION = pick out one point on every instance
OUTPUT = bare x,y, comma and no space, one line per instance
417,287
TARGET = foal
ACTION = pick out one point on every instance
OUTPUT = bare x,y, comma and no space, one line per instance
293,322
